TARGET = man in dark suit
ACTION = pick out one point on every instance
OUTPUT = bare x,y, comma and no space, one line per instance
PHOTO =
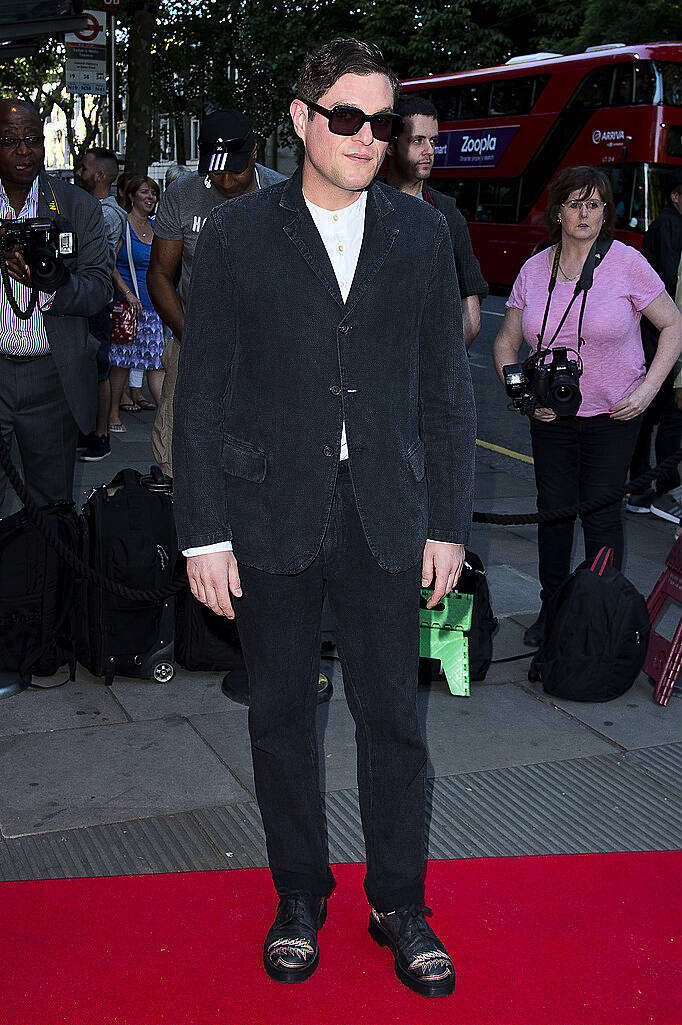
48,376
325,431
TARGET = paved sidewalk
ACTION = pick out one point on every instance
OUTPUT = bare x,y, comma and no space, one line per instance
144,777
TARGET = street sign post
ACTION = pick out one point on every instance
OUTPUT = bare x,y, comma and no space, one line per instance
86,65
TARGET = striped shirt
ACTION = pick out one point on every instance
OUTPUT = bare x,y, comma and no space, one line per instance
22,337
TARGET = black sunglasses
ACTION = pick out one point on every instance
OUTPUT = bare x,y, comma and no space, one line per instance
349,120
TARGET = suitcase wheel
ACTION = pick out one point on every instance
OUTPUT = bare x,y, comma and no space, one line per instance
163,672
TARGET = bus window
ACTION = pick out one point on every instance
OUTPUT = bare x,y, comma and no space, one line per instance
474,100
623,81
672,84
464,190
446,101
657,183
673,145
645,82
594,91
497,201
512,96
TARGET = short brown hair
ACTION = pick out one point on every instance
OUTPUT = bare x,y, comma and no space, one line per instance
136,182
342,56
585,181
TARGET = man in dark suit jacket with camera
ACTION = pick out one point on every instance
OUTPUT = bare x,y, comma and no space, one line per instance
325,431
48,377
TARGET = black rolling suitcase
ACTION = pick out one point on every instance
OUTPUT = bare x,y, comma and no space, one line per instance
204,641
37,594
128,535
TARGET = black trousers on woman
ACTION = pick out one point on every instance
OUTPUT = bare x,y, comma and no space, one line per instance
576,460
377,633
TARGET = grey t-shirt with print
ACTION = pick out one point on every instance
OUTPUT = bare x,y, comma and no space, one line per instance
184,209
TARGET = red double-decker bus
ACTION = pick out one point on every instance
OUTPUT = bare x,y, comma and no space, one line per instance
506,131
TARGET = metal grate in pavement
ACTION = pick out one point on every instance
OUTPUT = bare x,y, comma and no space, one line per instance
172,843
615,802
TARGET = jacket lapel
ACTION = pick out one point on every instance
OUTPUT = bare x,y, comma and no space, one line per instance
301,229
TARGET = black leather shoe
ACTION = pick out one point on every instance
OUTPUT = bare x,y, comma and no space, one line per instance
421,960
535,634
291,953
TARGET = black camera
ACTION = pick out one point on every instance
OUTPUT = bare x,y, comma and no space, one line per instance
43,243
540,382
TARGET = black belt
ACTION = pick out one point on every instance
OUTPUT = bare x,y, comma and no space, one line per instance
22,359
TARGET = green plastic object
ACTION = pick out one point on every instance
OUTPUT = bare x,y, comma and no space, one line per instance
441,636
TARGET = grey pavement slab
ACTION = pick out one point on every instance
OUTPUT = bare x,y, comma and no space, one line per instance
499,485
512,591
496,727
73,778
632,721
81,703
187,694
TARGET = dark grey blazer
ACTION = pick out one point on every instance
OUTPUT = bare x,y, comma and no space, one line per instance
272,362
88,289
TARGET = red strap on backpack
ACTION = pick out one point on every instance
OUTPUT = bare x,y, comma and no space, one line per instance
603,559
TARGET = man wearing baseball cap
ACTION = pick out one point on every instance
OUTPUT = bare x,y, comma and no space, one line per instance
227,169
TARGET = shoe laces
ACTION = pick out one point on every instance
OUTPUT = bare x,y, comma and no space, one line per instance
295,906
413,922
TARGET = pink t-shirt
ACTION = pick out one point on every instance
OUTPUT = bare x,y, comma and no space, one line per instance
613,358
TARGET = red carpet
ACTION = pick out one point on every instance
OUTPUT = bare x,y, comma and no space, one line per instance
572,940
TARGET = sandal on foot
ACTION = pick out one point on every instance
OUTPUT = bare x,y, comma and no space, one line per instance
130,407
117,428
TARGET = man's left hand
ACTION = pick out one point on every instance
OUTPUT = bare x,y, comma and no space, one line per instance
444,562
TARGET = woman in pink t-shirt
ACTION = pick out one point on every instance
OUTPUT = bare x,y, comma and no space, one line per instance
582,456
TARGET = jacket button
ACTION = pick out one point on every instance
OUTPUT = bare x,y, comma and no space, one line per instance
343,329
327,451
335,390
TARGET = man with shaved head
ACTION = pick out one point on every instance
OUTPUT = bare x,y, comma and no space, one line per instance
47,365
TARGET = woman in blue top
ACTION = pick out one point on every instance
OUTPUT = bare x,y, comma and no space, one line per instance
144,352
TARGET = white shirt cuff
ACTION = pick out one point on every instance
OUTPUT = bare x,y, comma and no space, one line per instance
220,546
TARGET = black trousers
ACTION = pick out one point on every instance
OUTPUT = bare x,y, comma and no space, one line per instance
33,408
578,459
377,630
665,418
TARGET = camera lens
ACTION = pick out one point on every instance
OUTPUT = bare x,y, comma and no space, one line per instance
47,270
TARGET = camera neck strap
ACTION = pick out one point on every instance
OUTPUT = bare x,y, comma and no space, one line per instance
9,294
598,251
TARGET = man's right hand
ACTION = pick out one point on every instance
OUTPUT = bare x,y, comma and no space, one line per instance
212,578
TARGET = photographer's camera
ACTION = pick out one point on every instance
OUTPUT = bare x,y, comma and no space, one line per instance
43,244
541,383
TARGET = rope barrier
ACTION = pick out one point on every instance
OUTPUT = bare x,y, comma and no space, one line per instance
80,567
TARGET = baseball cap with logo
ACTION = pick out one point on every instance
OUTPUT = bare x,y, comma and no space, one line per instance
226,141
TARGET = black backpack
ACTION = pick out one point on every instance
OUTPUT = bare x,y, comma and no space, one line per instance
36,594
597,636
473,581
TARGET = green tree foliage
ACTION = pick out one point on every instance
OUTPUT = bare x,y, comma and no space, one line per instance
183,57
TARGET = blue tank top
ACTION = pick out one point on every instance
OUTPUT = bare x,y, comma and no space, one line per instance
141,254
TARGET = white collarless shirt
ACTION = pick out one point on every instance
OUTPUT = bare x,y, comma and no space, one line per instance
342,232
